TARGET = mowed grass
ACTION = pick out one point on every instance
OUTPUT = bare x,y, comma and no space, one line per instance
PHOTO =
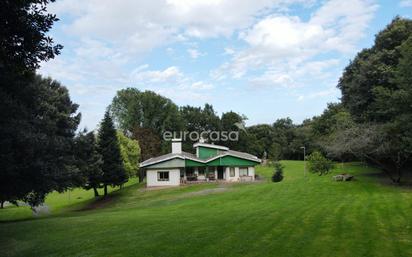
312,216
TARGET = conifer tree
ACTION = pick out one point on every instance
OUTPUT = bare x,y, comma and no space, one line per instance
114,173
89,161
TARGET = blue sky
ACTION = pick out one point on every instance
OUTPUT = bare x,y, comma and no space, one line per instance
266,59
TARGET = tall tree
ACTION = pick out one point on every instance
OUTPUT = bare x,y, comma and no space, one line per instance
37,141
37,118
369,78
133,110
88,161
376,90
114,173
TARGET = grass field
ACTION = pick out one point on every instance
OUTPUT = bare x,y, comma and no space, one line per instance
312,216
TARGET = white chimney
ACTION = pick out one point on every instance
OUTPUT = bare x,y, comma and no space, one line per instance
176,145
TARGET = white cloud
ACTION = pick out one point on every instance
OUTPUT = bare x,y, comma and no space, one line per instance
333,91
406,3
170,74
194,53
171,82
288,40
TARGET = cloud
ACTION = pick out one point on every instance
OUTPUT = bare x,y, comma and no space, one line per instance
335,27
170,74
194,53
333,91
405,3
171,82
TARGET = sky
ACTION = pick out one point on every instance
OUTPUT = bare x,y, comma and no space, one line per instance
266,59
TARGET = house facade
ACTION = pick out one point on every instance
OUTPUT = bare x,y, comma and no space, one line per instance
209,163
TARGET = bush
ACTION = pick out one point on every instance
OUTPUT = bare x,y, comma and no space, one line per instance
278,173
317,163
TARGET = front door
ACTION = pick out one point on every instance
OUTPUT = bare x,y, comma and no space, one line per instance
220,172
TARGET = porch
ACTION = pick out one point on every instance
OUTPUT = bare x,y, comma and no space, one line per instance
216,174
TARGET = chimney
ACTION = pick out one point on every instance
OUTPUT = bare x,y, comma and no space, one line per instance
176,145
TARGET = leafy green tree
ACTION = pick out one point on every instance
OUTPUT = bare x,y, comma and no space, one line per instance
89,161
317,163
368,80
23,40
130,152
135,111
198,119
379,144
114,173
37,131
376,90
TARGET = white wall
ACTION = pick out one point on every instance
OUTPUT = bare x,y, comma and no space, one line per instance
151,177
251,173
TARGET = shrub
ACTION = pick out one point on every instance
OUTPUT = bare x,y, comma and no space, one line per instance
278,173
317,163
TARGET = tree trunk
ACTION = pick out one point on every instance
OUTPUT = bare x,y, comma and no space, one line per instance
96,193
105,190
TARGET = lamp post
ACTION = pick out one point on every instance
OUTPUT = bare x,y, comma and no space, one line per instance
304,160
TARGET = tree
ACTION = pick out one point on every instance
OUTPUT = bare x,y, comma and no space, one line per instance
376,90
36,140
149,142
23,27
130,152
133,110
317,163
379,144
89,161
370,76
198,119
114,173
278,174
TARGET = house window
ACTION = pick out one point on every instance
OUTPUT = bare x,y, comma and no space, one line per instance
162,176
243,172
232,171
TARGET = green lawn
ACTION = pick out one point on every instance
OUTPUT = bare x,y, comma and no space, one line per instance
296,217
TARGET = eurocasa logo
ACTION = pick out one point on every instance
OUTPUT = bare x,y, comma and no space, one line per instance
210,136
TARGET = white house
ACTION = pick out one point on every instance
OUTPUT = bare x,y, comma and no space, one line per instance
210,163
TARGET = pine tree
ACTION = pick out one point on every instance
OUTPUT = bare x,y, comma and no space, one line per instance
89,161
113,171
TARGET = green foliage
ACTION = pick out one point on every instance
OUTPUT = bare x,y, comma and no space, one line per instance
368,81
23,40
89,161
114,173
376,90
147,116
38,123
278,173
130,152
317,163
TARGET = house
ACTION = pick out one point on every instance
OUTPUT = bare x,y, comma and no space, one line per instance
210,163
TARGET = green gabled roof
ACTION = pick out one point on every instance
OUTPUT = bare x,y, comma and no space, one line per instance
223,158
